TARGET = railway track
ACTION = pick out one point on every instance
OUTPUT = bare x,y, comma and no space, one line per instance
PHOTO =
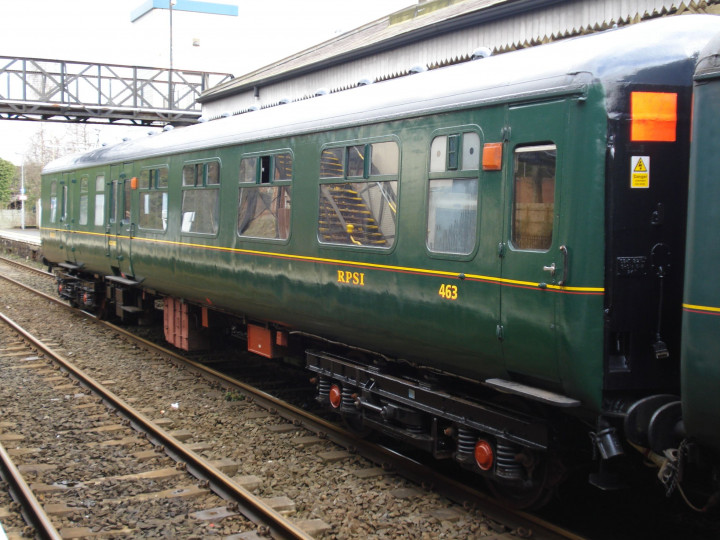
292,457
86,464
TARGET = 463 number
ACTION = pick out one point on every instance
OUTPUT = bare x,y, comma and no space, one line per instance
448,292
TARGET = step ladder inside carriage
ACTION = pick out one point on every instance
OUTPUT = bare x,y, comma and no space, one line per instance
346,213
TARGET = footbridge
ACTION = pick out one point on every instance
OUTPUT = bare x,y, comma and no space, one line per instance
67,91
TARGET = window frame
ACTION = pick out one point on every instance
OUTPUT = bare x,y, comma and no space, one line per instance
263,176
524,148
53,201
200,184
149,183
459,172
344,148
125,192
84,183
96,194
64,202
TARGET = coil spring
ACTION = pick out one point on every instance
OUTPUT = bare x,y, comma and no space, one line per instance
348,403
506,465
466,441
323,390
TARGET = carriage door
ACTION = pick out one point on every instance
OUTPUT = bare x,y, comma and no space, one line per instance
532,259
68,187
121,219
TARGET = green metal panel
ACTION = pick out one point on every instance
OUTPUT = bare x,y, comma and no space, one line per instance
701,316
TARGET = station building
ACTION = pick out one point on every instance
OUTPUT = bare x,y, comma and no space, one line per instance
428,35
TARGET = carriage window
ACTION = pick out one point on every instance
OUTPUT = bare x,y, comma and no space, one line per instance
201,174
455,152
201,198
212,173
112,214
161,180
64,204
453,193
99,200
156,178
83,219
534,197
452,215
265,198
53,202
248,170
331,163
470,151
153,210
191,174
384,158
127,193
283,167
438,154
361,212
265,170
153,199
144,182
356,161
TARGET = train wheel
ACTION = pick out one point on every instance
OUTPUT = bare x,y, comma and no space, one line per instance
543,471
104,310
529,494
355,424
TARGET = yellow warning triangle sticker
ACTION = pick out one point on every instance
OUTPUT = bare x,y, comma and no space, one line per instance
640,167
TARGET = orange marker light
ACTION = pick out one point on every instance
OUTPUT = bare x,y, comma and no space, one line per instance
492,157
335,396
653,116
483,455
134,182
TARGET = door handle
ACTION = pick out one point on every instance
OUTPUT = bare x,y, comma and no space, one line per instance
553,269
566,263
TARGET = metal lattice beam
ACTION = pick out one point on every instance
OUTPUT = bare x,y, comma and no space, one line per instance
62,91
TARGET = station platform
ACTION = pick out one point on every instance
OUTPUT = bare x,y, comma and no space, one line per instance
21,242
29,235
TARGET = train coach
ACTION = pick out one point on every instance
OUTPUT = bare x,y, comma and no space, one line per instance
700,365
483,260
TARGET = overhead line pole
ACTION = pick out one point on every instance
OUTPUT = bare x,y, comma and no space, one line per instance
171,97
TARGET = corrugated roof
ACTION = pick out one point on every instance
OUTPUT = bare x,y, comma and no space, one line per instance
413,24
508,25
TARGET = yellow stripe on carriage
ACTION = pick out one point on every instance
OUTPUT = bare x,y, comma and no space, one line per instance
366,265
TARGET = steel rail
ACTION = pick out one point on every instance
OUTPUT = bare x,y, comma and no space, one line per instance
387,457
26,267
32,510
249,505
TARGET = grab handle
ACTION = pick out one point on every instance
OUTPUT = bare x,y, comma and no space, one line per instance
564,251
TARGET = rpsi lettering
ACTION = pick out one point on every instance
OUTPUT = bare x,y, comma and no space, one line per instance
351,278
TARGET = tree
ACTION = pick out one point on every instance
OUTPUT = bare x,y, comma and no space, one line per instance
7,173
45,147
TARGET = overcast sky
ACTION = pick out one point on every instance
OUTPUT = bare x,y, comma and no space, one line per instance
101,31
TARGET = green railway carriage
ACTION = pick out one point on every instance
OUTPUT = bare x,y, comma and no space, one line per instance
464,254
701,313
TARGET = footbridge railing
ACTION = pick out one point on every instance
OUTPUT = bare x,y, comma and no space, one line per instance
66,91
